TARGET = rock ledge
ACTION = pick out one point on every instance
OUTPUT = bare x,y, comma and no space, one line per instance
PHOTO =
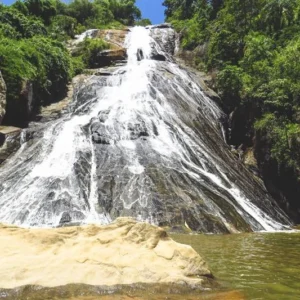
124,252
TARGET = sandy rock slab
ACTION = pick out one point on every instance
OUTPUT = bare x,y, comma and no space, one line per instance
124,252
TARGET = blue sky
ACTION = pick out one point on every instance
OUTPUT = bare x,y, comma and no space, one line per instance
7,1
151,9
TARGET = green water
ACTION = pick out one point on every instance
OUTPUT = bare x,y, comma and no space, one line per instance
256,266
263,266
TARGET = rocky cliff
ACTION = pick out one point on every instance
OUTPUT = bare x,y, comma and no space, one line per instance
141,139
250,147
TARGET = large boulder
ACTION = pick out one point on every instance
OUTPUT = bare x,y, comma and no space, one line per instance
124,252
109,57
2,97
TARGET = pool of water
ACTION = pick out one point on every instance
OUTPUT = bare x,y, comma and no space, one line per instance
258,266
263,266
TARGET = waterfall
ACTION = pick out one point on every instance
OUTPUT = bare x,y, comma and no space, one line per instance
144,142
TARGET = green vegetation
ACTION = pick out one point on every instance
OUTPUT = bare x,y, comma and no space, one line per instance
88,50
143,22
34,35
254,48
45,62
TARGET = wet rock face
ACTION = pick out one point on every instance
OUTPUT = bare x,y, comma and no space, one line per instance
281,182
140,55
103,135
154,189
157,56
165,36
2,97
99,134
10,141
143,141
138,130
19,111
109,57
163,44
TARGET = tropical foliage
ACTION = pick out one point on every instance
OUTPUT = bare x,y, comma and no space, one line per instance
254,46
33,36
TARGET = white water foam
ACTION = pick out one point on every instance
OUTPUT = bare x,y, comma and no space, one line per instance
129,101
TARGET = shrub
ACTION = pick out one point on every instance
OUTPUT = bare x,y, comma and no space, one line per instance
44,62
89,50
8,31
143,22
25,26
78,65
62,27
44,9
229,85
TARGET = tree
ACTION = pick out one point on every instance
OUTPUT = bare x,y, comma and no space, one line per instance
25,26
44,9
125,11
82,10
143,22
216,6
278,14
21,7
62,26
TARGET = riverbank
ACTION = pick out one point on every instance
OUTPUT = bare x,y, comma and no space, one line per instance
136,292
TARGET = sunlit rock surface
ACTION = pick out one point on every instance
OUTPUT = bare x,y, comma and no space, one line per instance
124,252
114,37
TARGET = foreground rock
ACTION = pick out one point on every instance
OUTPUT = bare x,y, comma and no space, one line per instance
124,252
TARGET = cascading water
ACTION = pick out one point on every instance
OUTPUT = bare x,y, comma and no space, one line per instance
145,142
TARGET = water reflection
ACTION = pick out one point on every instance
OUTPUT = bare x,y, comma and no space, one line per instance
262,266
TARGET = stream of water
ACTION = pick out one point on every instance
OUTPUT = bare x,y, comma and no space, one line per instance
144,142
